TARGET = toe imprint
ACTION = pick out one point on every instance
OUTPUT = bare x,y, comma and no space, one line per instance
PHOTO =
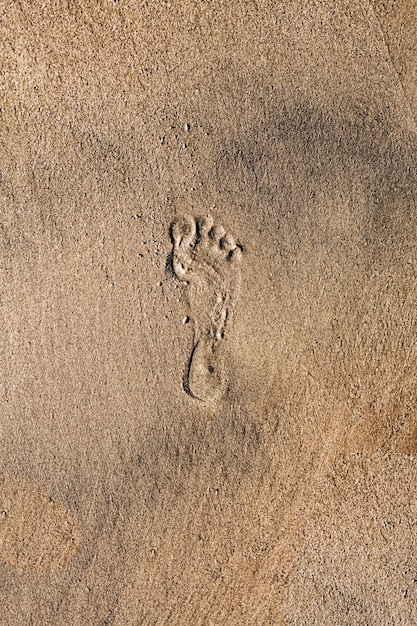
207,258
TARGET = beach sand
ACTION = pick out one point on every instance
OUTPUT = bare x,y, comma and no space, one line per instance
208,313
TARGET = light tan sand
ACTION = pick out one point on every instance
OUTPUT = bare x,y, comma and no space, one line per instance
214,423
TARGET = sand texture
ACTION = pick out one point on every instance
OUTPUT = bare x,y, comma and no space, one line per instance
208,313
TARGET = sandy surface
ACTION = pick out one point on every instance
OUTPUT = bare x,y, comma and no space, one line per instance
208,313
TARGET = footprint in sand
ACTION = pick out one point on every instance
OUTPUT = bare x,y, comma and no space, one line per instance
208,259
36,533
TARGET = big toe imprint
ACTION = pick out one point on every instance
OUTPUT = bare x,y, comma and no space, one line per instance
207,258
36,533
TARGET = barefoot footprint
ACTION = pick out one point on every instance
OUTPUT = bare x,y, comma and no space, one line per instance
208,260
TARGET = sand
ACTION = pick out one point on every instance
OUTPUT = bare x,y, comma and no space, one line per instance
208,313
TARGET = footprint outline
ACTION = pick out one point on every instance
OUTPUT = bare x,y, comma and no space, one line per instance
207,259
